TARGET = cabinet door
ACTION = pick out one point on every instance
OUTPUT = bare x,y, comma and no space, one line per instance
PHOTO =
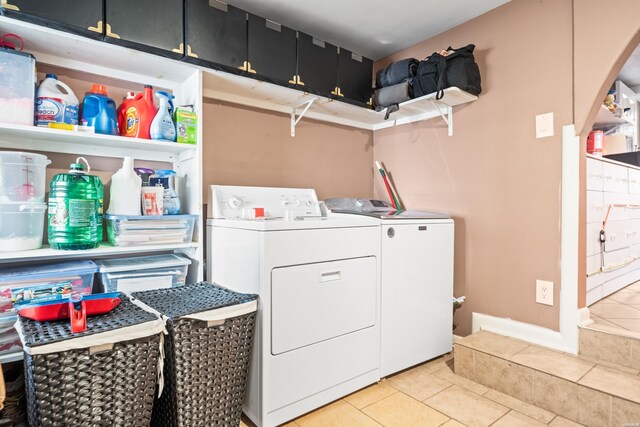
272,51
615,178
354,77
216,35
154,26
594,174
317,65
83,17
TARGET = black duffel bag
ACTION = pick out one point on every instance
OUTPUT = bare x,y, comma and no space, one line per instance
397,72
438,72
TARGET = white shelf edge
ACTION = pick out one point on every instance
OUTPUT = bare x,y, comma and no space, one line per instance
14,356
606,118
73,142
104,249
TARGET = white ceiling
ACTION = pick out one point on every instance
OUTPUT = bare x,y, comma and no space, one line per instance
373,28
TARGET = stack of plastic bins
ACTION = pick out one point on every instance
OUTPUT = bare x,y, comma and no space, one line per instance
105,376
206,353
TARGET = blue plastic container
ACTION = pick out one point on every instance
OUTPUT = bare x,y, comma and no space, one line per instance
52,282
99,111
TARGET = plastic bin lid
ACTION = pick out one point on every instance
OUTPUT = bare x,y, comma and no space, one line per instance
44,271
147,217
142,263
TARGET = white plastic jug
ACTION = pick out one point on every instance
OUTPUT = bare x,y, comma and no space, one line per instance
125,190
56,103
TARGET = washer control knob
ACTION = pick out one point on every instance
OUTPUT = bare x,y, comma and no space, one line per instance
309,203
360,203
235,202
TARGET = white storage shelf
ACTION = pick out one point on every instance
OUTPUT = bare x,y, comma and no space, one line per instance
21,137
122,67
606,118
257,94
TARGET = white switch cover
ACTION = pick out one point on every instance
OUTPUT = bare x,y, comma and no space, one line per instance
544,292
544,125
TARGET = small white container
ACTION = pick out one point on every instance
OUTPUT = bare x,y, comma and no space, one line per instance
21,226
125,190
143,273
22,176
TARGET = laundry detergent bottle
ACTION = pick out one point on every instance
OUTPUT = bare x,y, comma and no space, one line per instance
99,111
136,114
125,192
75,209
55,103
162,127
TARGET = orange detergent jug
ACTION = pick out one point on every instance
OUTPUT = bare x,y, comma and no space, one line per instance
136,114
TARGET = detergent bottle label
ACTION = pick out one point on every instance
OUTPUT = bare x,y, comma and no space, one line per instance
55,110
65,213
132,122
49,110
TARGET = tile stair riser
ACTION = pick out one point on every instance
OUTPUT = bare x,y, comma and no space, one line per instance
561,396
600,345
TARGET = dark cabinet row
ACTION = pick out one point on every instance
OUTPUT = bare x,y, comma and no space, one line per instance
212,34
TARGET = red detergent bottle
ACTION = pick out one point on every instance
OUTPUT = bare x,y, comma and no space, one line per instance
136,114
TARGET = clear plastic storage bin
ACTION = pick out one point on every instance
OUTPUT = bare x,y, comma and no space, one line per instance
21,226
126,230
46,282
143,273
17,87
22,176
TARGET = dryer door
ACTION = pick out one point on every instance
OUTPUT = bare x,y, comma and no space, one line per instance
316,302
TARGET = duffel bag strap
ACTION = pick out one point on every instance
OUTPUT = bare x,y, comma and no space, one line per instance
442,66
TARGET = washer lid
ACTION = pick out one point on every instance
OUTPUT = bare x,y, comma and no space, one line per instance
377,209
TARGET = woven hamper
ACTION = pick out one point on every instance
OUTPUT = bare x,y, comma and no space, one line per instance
105,376
206,354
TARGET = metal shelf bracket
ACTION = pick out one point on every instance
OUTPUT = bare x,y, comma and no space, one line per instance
446,116
294,119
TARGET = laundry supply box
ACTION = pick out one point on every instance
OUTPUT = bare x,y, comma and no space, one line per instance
142,273
105,375
17,87
206,353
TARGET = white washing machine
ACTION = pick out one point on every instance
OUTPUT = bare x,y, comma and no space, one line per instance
318,325
416,281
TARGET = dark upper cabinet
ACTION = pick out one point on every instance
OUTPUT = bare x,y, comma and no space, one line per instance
271,52
83,17
354,77
154,26
317,65
216,35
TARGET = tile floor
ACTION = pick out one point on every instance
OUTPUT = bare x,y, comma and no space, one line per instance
620,310
428,395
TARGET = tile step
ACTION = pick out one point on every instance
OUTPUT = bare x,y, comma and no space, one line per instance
602,343
589,391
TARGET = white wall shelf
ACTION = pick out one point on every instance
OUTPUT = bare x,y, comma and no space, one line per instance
14,356
606,118
257,94
90,144
105,249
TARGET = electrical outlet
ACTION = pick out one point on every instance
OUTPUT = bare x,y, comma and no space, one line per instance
544,292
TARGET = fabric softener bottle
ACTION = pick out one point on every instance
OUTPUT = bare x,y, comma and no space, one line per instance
75,209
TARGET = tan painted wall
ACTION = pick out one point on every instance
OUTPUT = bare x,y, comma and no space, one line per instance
244,146
599,56
500,183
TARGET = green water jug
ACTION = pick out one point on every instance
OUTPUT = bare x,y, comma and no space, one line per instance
75,209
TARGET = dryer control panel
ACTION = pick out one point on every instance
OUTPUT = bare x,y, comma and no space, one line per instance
236,202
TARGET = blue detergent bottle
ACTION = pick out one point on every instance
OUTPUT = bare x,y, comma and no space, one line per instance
99,111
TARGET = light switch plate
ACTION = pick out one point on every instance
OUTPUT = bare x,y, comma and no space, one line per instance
544,292
544,125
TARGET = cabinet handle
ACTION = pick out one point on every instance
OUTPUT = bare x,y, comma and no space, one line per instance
246,66
296,81
337,92
179,49
8,6
249,69
110,33
190,52
97,28
329,276
370,102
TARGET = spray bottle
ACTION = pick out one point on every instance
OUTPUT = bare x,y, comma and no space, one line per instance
162,127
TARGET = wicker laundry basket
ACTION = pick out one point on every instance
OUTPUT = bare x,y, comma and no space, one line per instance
105,376
206,354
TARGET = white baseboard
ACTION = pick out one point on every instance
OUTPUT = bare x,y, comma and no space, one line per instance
523,331
585,316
